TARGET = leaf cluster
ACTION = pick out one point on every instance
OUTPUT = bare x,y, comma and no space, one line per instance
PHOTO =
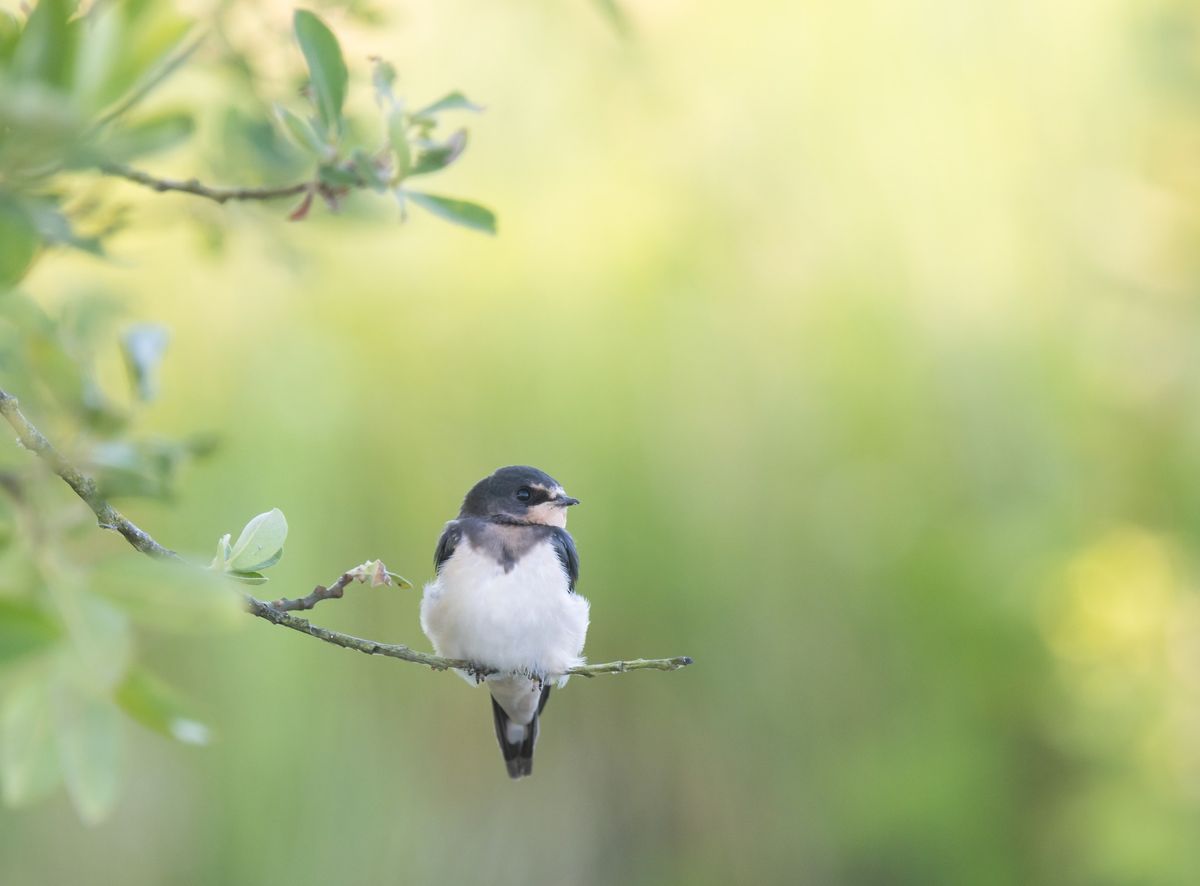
411,146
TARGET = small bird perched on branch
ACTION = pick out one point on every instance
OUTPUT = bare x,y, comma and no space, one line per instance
504,598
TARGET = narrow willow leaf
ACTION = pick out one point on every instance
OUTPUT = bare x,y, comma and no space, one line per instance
455,101
338,177
103,49
326,67
88,732
24,630
138,468
260,544
368,171
150,81
55,228
128,52
158,133
398,140
302,134
460,212
10,32
29,767
440,156
45,51
154,704
249,578
143,346
383,77
100,636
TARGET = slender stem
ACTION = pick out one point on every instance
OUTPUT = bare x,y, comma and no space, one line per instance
110,518
85,487
192,186
273,614
347,641
319,593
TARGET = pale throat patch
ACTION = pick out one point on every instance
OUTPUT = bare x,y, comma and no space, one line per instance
548,513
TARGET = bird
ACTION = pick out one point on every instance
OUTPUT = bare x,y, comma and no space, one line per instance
504,599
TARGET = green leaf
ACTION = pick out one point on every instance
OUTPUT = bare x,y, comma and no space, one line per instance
326,67
143,346
100,645
88,729
129,49
302,134
368,171
150,80
24,630
10,32
19,243
455,101
398,139
383,77
149,136
140,468
261,141
249,578
460,212
157,706
46,49
221,560
29,766
55,228
338,177
260,544
441,155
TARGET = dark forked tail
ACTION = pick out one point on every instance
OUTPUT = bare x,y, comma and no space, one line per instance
516,741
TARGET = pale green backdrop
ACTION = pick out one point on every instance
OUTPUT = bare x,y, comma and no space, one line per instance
867,334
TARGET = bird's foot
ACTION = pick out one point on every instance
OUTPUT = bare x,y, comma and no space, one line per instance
479,672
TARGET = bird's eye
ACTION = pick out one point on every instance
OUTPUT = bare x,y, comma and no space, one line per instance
524,493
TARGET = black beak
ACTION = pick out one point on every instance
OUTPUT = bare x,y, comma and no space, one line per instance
565,501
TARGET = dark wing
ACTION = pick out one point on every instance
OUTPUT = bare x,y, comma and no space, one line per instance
446,545
564,546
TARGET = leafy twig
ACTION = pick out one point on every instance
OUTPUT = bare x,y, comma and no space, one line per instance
110,518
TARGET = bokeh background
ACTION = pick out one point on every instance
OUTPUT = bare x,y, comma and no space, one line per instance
867,334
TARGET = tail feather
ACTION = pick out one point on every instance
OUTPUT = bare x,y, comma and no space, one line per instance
517,741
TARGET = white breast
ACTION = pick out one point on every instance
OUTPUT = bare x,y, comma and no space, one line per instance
524,620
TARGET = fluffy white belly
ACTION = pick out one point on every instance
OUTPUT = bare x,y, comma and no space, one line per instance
524,620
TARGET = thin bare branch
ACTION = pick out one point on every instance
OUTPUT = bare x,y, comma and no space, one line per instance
276,613
319,593
85,487
194,187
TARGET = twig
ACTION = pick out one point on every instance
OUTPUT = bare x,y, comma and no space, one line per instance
85,487
319,593
192,186
271,613
110,518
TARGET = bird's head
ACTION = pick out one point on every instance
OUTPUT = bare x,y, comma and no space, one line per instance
519,492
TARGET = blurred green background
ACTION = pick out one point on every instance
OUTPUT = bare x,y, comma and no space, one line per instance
867,334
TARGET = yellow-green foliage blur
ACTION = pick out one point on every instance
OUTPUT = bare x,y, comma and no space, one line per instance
866,332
